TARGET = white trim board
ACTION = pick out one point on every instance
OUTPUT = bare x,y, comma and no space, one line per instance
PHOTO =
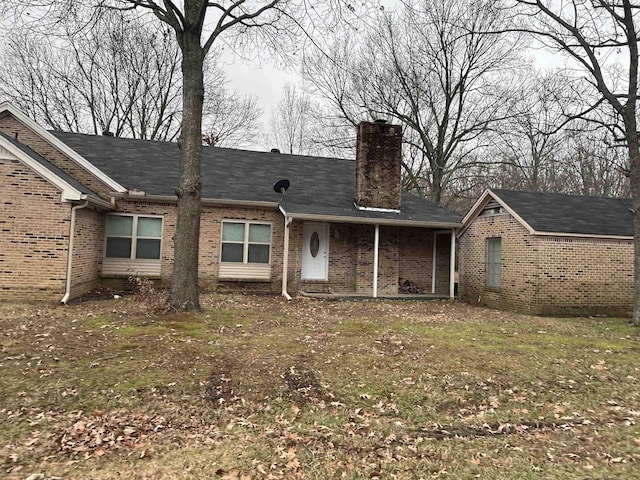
72,154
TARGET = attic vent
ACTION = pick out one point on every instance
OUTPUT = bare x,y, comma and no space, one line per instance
492,208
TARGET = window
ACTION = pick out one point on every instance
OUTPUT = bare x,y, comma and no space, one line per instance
245,242
494,262
133,237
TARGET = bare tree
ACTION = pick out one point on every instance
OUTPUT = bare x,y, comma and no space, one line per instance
119,76
593,35
434,67
593,163
290,129
197,25
528,144
122,76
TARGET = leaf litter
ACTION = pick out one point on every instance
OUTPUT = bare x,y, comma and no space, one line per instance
315,388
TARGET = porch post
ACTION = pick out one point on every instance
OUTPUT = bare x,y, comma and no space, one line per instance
452,265
376,244
433,261
285,257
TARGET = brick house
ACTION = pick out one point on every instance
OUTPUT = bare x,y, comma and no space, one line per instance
547,253
82,209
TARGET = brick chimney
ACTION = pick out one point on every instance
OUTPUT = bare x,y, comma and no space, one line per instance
378,165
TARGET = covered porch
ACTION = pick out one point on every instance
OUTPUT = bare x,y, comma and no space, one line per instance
352,258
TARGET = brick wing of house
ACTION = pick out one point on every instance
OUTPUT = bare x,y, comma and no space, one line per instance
80,210
547,253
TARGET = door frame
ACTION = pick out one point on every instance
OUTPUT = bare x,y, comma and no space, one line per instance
325,227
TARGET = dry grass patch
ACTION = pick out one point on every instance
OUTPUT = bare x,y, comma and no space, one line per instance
257,387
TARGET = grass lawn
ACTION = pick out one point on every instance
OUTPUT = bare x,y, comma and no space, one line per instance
260,388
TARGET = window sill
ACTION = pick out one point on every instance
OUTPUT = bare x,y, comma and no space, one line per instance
252,280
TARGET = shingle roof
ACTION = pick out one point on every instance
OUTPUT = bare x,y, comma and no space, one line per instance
559,213
52,168
319,185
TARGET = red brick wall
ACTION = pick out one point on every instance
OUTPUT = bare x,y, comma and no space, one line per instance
34,231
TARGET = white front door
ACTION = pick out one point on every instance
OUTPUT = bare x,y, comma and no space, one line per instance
315,251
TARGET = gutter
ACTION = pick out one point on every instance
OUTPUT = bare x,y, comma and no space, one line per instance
143,197
72,229
285,253
374,221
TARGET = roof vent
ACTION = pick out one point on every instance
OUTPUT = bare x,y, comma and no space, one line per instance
380,121
107,133
275,150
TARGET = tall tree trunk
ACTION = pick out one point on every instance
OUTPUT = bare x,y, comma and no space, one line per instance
436,184
183,295
634,164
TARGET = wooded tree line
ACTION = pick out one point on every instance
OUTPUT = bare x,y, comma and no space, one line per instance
476,109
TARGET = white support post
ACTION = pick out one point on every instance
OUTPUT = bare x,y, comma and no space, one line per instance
285,259
376,245
452,265
433,270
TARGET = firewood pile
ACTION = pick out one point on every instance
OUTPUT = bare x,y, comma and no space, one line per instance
409,287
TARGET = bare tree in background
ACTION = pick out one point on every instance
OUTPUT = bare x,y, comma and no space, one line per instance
594,164
290,129
601,39
435,67
120,76
197,25
528,144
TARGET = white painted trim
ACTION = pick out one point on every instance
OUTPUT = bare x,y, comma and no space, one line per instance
205,201
582,235
285,254
475,210
63,147
376,209
477,207
69,192
376,247
371,221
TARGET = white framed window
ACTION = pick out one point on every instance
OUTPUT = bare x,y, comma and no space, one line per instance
245,251
245,242
133,237
494,262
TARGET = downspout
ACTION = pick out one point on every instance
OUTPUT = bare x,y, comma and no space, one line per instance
376,245
452,265
72,229
285,254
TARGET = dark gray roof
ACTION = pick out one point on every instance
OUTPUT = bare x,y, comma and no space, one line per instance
52,168
559,213
319,185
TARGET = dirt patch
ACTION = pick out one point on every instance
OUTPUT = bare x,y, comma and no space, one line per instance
220,390
303,385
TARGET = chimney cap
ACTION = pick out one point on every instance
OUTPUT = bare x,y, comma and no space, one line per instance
380,121
275,150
